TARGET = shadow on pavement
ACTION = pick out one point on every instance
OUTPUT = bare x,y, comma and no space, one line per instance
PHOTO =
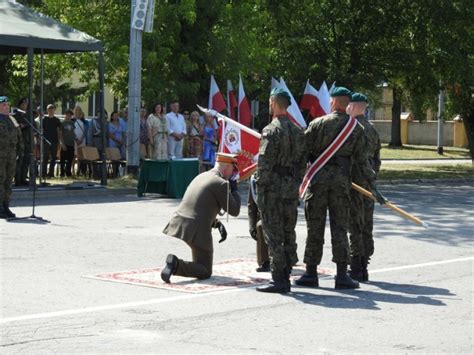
360,299
412,289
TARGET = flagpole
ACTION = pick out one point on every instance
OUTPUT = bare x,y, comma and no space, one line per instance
229,120
390,205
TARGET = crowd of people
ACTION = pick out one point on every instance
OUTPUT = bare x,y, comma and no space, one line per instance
162,136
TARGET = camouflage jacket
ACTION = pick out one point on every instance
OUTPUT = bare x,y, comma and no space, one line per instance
319,135
372,147
11,142
281,161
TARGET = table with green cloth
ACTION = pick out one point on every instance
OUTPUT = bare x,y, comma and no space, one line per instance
167,177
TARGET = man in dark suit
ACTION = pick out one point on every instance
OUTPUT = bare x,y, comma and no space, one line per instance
207,194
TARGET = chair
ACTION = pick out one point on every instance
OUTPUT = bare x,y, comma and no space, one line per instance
114,160
89,155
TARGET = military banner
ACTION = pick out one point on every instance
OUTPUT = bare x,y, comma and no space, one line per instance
236,138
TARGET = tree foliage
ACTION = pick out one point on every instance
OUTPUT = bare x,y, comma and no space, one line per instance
412,45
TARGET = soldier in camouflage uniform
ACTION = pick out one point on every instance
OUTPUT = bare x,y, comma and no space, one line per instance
280,169
362,208
24,159
10,147
330,188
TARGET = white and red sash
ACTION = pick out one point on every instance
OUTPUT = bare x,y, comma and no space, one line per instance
332,148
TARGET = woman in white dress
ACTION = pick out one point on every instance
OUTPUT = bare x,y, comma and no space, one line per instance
158,133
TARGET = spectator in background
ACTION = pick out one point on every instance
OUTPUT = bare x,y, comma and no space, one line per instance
176,131
144,135
95,132
185,139
116,134
158,133
210,145
123,118
195,134
81,129
123,114
67,144
51,131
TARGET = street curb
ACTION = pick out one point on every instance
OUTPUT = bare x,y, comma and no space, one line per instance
102,191
427,159
424,181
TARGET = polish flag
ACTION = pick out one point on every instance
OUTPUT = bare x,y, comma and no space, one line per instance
324,98
293,110
244,114
275,83
216,100
231,100
310,101
243,141
235,138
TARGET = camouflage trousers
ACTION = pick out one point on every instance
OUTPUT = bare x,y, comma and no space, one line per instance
319,198
278,216
361,223
7,172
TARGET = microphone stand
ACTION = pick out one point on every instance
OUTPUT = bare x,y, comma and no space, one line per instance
34,162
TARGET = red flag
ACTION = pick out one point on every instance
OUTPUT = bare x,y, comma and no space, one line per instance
324,98
310,101
231,100
245,116
294,112
216,100
239,139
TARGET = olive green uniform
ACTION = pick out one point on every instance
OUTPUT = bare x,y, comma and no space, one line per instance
11,145
280,169
362,208
329,189
204,198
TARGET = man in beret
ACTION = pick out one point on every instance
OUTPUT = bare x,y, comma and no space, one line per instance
329,189
11,146
362,209
205,197
280,168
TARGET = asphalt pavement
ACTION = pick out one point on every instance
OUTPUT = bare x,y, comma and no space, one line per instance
419,299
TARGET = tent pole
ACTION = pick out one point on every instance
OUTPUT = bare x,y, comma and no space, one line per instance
30,113
102,118
41,113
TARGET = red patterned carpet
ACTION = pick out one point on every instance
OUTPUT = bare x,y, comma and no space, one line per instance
226,274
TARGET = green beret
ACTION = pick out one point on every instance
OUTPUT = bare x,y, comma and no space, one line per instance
340,91
358,97
282,93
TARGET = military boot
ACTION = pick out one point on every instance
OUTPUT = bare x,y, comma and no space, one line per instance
310,277
7,211
170,268
265,267
277,285
356,268
342,279
365,273
3,214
